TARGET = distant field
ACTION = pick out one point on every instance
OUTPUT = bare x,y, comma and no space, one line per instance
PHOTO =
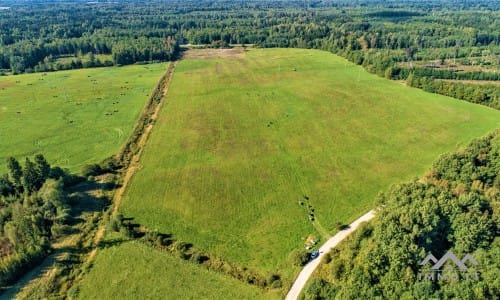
72,117
133,271
243,139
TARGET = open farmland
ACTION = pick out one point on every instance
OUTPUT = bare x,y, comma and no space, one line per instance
72,117
249,149
242,141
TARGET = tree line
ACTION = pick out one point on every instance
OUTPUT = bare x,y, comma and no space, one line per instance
488,94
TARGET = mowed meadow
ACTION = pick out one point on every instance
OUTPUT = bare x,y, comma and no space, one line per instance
241,141
72,117
132,270
244,144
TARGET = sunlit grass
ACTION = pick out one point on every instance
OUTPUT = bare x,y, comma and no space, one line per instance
72,117
240,142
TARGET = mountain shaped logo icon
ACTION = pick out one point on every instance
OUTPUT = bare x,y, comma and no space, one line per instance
469,258
449,256
428,258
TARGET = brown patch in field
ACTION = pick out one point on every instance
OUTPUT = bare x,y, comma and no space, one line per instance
264,175
219,68
311,241
379,168
236,52
244,63
4,84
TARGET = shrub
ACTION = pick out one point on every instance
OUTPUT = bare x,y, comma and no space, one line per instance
127,231
114,225
180,246
327,258
276,284
274,281
299,257
109,185
163,241
196,258
58,230
92,170
337,269
151,236
71,180
56,173
365,230
320,289
110,164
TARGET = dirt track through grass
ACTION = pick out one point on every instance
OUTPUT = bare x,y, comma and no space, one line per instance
232,53
134,163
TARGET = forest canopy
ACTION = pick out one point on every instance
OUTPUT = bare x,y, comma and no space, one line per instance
33,210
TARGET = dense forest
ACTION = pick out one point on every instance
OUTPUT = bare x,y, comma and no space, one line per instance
454,206
428,39
33,211
42,205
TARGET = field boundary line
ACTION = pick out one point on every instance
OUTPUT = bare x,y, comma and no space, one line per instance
134,163
137,140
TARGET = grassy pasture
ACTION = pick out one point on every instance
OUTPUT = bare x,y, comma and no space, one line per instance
72,117
131,270
240,141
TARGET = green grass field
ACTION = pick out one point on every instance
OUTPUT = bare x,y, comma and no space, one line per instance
72,117
133,271
242,140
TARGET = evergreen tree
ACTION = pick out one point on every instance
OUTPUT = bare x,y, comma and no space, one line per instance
15,173
42,167
31,177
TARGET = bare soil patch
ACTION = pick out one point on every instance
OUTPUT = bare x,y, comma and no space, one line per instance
4,84
236,52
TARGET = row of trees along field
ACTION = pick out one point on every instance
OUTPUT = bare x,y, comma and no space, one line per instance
33,211
386,37
453,207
